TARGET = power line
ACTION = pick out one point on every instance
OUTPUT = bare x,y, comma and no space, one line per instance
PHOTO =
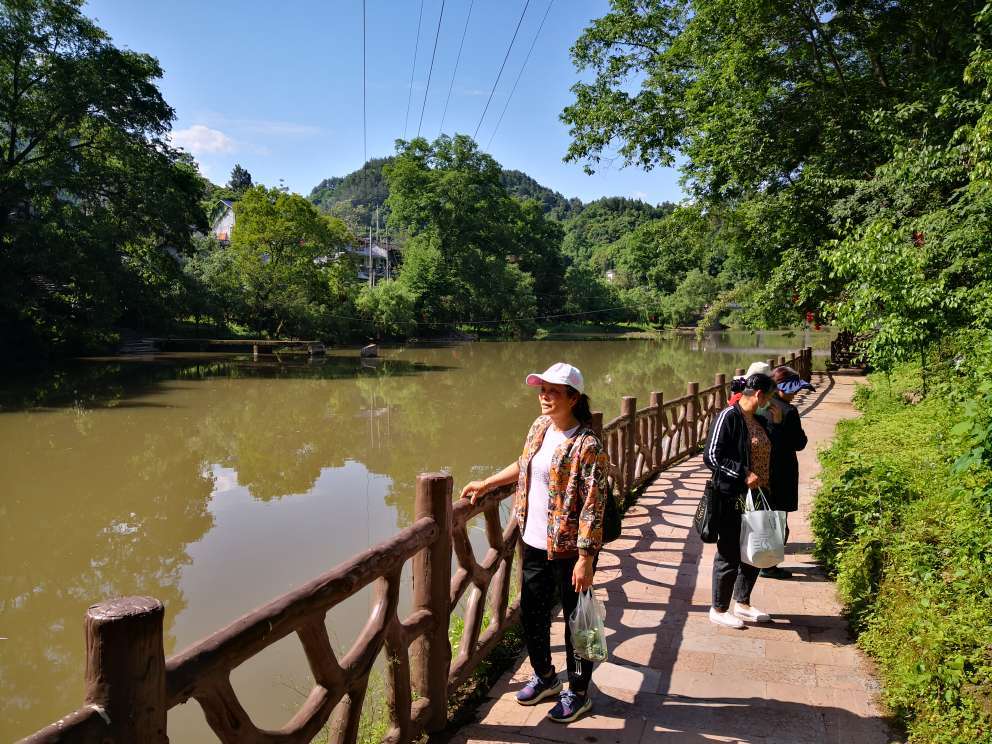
431,70
500,74
413,69
520,74
365,145
454,72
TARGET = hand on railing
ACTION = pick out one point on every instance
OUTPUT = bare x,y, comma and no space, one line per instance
476,490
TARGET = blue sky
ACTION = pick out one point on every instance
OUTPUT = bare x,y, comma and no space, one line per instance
277,87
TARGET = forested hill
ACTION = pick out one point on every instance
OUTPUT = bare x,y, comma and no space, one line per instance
355,196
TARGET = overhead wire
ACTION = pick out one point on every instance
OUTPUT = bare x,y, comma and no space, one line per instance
431,69
365,145
413,69
500,73
519,74
454,72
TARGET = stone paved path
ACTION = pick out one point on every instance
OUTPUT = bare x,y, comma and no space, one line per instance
672,676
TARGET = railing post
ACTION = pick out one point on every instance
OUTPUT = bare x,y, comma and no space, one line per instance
596,424
628,409
657,450
739,372
721,394
781,361
808,363
692,415
125,668
772,362
431,655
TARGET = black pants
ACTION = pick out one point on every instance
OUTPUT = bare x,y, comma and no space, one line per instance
544,578
731,576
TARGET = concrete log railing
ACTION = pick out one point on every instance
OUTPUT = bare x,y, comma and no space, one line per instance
130,686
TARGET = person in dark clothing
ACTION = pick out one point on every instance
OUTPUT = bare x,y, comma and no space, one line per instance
739,453
790,439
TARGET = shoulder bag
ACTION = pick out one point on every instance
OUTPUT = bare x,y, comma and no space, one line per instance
707,518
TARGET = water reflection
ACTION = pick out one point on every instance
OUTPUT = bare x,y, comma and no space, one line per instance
216,483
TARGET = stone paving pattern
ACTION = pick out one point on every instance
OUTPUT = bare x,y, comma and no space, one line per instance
673,676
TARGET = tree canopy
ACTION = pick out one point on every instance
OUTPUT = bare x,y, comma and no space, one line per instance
94,202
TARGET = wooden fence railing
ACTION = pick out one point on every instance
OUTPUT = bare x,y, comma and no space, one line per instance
130,686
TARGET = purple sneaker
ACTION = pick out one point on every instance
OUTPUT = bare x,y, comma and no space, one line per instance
570,706
537,689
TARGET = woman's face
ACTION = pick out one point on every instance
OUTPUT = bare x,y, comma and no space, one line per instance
555,400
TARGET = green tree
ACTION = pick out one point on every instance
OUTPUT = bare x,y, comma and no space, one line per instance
240,179
390,304
88,181
282,248
459,261
770,108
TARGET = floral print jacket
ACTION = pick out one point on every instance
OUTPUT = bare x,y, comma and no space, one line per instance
576,490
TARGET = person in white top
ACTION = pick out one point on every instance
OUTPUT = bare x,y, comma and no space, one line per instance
561,498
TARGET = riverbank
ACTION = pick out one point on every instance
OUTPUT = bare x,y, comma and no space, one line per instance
672,675
903,521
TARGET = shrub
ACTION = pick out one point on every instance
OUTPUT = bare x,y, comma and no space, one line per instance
904,524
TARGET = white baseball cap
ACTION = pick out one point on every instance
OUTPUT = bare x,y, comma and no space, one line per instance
558,373
758,368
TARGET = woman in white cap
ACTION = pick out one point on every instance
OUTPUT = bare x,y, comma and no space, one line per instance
559,504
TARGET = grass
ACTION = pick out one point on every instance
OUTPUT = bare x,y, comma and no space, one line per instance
909,540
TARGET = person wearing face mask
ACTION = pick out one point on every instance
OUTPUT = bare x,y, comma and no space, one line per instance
739,453
790,440
737,384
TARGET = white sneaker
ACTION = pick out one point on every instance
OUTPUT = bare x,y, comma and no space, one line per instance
725,619
751,614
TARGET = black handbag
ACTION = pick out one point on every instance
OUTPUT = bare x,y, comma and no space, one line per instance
707,518
612,518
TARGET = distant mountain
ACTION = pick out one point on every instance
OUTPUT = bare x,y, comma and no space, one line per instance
555,205
355,196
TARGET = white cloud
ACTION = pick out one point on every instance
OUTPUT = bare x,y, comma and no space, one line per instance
639,195
199,139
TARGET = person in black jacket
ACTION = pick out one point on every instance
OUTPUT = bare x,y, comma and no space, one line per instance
738,451
790,439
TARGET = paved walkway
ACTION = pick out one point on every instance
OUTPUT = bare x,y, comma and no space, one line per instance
675,677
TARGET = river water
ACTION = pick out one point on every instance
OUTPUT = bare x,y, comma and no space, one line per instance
215,483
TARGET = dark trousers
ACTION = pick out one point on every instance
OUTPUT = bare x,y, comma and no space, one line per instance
544,578
731,576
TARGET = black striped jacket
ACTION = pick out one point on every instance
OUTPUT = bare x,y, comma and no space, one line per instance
728,449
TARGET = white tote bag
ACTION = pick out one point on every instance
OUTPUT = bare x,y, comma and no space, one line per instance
762,532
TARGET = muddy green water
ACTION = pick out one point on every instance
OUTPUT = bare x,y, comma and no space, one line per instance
216,483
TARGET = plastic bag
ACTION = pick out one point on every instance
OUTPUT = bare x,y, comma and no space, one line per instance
588,630
762,533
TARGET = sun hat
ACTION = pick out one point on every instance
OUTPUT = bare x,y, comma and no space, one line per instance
789,381
558,373
794,385
761,368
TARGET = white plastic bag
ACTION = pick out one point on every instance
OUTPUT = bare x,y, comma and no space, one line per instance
588,631
762,533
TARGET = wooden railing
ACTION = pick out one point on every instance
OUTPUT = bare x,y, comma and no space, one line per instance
130,686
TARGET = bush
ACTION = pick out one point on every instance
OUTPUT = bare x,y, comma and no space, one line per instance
908,535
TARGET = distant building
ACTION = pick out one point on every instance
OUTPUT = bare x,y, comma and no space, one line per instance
222,221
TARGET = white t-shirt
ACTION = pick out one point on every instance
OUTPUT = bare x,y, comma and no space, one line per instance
536,529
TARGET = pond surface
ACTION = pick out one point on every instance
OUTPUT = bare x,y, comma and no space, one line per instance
215,483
